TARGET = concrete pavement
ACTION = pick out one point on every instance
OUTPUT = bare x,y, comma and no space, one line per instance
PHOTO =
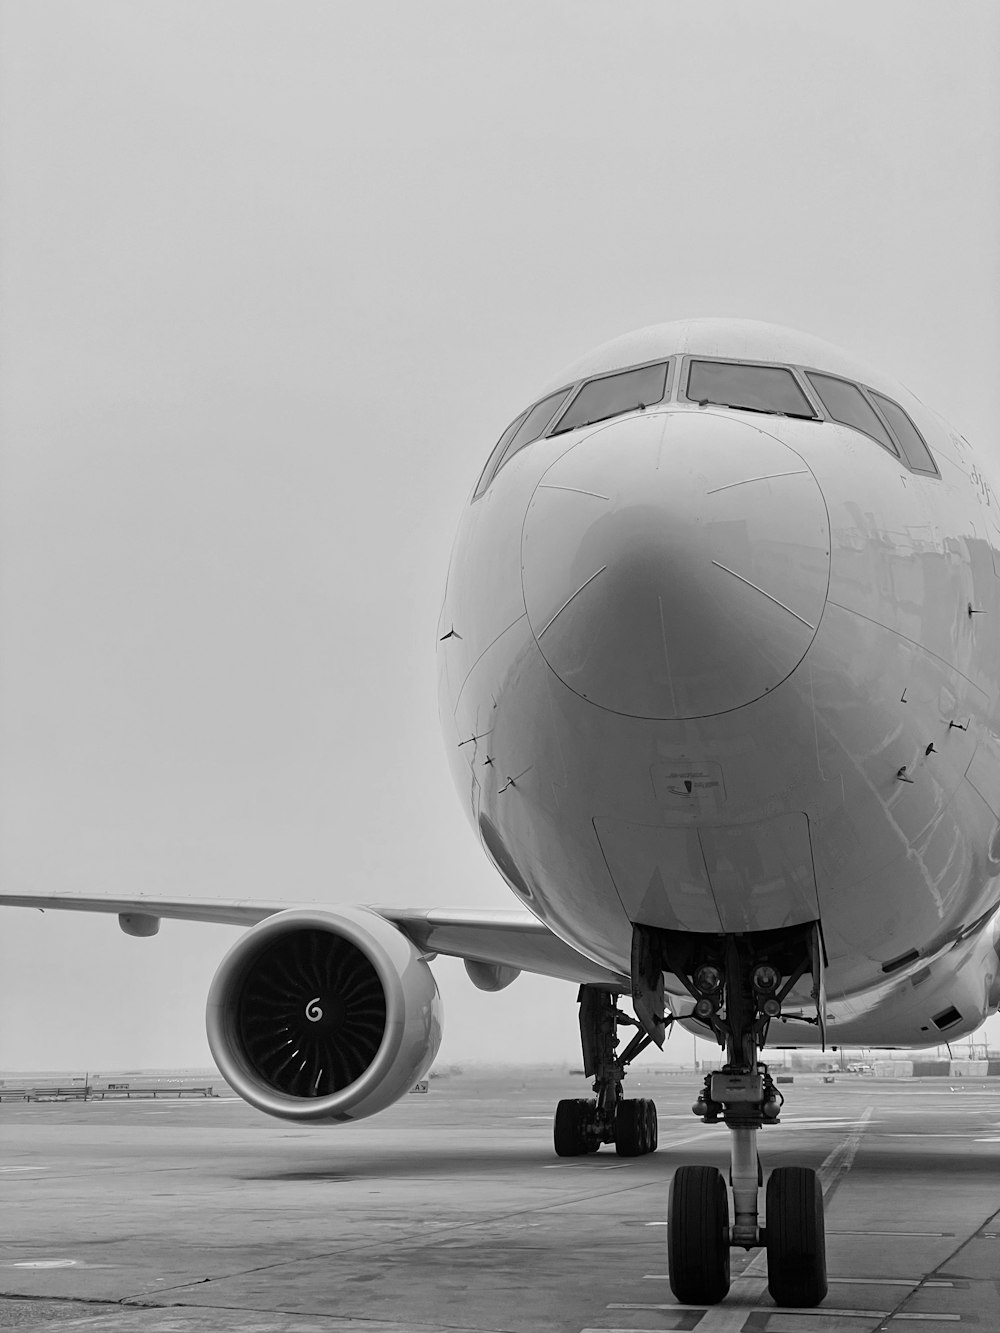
451,1212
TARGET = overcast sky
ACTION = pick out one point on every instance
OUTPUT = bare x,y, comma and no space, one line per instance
274,279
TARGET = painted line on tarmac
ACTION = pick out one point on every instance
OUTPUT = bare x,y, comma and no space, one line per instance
818,1311
920,1134
738,1317
888,1282
838,1162
846,1281
44,1263
602,1166
748,1289
670,1142
932,1235
829,1122
641,1305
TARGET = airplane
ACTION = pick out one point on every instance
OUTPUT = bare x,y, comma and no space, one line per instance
718,661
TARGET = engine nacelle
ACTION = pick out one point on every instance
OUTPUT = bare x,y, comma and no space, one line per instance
323,1015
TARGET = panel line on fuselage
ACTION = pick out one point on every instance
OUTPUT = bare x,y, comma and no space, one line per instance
748,481
576,490
468,674
570,598
666,656
756,588
891,629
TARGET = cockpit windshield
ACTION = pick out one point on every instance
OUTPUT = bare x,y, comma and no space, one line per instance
811,395
534,424
917,454
847,404
747,388
611,395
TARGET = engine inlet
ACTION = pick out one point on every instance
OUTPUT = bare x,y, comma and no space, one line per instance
311,1013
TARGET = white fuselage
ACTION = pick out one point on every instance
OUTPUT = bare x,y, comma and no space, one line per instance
722,671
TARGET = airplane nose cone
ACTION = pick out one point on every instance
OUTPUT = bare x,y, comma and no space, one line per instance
675,565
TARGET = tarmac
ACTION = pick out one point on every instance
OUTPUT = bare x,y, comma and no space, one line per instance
450,1211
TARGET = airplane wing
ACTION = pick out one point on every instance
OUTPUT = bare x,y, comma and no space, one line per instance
507,937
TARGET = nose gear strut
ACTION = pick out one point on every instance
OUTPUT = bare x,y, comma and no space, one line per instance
738,984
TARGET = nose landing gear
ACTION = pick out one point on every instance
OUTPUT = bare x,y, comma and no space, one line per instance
739,983
582,1124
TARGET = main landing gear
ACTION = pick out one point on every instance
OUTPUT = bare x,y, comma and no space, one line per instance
738,983
582,1124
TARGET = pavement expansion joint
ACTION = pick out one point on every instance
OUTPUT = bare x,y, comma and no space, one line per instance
935,1279
50,1299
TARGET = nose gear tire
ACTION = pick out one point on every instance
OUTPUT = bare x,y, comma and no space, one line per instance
796,1237
698,1235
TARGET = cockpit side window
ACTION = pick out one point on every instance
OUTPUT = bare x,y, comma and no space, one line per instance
747,388
493,462
611,395
526,428
534,424
844,402
911,441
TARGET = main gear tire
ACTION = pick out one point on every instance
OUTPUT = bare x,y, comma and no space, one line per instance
573,1127
632,1128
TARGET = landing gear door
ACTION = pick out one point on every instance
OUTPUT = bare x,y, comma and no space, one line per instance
647,986
817,960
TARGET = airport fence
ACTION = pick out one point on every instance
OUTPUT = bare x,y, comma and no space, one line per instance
83,1090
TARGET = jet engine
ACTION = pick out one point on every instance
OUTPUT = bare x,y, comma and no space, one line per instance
323,1015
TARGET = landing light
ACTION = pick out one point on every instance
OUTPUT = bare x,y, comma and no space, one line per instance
707,979
765,977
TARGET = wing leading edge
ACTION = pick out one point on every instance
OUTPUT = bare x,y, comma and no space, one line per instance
508,938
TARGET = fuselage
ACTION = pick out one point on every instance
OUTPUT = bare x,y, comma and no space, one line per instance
726,659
